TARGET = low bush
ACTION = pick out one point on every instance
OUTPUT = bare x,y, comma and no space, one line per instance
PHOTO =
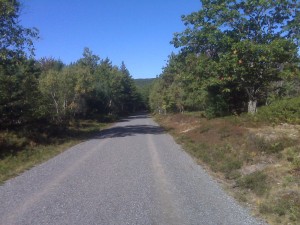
260,144
257,182
11,143
220,158
281,111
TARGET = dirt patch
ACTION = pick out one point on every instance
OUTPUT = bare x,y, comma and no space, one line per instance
246,170
272,133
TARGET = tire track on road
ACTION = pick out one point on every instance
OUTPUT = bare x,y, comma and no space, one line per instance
170,213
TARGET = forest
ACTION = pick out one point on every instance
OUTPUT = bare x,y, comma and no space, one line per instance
234,57
47,106
48,91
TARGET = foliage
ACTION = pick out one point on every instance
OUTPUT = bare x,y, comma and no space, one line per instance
39,99
18,75
257,182
14,38
144,82
144,87
18,93
58,89
281,111
233,54
24,148
89,86
48,91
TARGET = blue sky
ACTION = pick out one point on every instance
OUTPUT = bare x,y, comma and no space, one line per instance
134,31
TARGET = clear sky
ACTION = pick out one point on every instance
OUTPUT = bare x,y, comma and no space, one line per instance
137,32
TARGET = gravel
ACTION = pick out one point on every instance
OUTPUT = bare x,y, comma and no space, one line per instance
132,173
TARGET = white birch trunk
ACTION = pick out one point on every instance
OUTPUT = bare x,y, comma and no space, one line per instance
252,106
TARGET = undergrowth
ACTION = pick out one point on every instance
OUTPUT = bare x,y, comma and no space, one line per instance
281,111
22,148
261,170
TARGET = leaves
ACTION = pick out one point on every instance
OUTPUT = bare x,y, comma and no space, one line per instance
14,38
231,53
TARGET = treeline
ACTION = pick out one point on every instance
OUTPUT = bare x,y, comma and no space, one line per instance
234,56
49,91
144,86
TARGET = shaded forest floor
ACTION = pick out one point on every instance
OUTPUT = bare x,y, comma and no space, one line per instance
22,148
258,163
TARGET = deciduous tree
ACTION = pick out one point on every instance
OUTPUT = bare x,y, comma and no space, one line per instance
252,39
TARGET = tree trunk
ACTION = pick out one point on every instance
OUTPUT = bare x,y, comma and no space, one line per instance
252,108
252,96
55,103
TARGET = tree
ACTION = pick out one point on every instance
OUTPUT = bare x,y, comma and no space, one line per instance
129,95
18,75
19,93
50,64
14,38
156,98
60,93
253,67
89,60
248,38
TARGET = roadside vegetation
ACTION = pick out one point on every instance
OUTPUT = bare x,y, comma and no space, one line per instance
45,105
24,148
257,161
234,56
231,97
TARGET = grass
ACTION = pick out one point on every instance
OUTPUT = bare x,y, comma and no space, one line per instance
258,161
293,156
286,206
263,145
22,149
256,182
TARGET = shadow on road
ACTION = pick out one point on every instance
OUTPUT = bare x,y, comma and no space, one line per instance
131,130
141,115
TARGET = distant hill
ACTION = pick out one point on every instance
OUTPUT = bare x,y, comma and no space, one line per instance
141,83
143,87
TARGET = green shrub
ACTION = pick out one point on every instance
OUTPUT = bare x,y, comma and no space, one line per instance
257,182
231,164
10,143
286,110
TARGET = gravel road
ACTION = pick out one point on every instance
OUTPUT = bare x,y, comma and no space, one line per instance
132,173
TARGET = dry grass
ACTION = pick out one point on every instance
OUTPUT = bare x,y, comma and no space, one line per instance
258,163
